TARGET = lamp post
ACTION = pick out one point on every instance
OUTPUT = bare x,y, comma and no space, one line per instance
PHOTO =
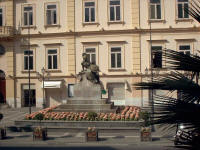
29,72
41,77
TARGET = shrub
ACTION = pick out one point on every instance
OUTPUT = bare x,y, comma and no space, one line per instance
39,116
92,115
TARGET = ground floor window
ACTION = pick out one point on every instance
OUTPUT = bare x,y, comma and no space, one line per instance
25,95
116,91
70,90
2,87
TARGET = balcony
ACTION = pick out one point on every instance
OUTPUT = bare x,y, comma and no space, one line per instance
6,31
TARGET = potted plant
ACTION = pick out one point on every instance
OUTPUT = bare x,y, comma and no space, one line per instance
92,134
2,129
145,133
39,132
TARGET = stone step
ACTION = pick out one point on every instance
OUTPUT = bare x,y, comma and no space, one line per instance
101,101
85,106
85,110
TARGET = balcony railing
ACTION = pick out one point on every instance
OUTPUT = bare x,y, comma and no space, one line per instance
6,31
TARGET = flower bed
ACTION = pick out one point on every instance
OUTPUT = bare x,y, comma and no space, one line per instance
129,113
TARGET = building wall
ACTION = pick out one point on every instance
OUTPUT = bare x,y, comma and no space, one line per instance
169,31
39,25
102,18
7,60
101,34
169,16
41,37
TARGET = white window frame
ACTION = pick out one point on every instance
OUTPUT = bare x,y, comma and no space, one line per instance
161,42
52,19
90,7
161,10
91,53
92,45
33,15
33,55
58,58
113,45
177,17
185,44
121,11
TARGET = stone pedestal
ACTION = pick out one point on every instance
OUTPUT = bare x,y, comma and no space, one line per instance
86,90
87,98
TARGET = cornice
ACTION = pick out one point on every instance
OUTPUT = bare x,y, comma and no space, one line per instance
108,32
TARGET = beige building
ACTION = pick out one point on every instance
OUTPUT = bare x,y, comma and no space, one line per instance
48,26
171,28
59,32
6,52
107,31
115,35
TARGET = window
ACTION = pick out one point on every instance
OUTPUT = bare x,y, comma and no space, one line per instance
25,95
157,56
184,49
2,50
91,55
28,60
89,8
116,91
1,16
70,90
181,6
28,15
52,59
155,9
116,59
115,14
51,14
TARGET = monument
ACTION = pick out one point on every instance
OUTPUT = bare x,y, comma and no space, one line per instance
87,92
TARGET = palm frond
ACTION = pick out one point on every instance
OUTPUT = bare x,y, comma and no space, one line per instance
178,61
172,111
174,82
193,9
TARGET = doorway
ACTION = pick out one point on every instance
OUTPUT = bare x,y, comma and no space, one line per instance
25,96
2,87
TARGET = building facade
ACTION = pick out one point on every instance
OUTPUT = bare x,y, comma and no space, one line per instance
6,52
107,33
48,38
46,28
169,28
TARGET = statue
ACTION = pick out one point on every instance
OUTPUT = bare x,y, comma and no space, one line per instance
90,69
85,63
93,75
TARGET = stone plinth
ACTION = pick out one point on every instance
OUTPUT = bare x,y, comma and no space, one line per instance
87,98
86,90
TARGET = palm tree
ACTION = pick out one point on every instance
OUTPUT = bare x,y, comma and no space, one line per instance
184,79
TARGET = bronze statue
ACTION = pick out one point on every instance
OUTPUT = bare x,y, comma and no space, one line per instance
93,74
90,69
85,63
